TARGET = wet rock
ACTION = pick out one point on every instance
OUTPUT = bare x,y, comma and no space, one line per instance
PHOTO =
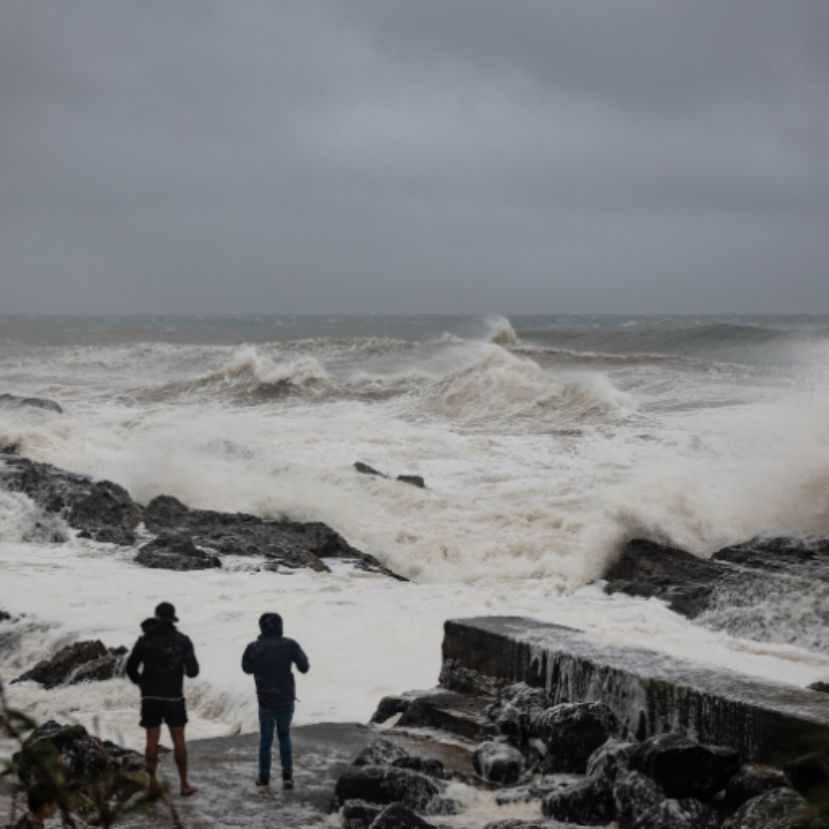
81,756
388,707
823,687
414,480
425,765
380,753
86,661
358,814
633,795
776,809
91,506
288,543
365,469
684,768
5,617
571,732
809,773
12,400
610,759
175,552
463,715
686,813
514,709
498,762
750,781
589,803
398,816
528,824
389,784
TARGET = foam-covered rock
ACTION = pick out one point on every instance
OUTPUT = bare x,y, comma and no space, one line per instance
776,809
750,781
358,814
398,816
390,784
86,661
571,732
498,762
175,552
610,759
633,795
588,802
686,813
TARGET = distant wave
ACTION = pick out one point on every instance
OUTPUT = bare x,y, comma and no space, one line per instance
501,332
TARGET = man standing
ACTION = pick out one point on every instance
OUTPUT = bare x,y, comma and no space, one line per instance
270,659
166,656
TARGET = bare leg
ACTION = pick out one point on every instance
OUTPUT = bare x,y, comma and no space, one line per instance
151,750
180,754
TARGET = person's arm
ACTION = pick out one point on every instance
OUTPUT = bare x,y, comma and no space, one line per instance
247,659
134,661
191,664
300,659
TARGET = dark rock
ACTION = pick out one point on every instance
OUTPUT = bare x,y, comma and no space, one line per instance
461,714
823,687
809,773
365,469
571,732
514,709
175,552
5,617
776,809
750,781
684,768
32,402
114,535
86,505
767,589
678,814
358,814
498,762
610,759
414,480
380,753
288,543
81,756
510,823
425,765
633,795
388,707
398,816
79,662
589,803
389,784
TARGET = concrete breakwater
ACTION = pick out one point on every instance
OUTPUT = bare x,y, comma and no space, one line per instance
650,692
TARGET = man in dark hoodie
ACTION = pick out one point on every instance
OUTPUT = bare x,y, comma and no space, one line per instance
166,656
270,659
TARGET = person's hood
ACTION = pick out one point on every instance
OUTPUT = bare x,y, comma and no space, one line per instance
270,624
153,626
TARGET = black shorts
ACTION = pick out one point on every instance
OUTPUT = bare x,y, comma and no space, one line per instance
156,711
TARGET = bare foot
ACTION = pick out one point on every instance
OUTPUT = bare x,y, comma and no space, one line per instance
187,790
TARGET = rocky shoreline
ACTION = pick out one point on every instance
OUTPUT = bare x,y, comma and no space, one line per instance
174,536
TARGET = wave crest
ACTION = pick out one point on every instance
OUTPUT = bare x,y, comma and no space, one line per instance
501,332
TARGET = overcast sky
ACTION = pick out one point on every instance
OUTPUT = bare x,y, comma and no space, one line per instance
420,156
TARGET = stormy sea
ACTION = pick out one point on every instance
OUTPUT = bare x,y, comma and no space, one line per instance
544,443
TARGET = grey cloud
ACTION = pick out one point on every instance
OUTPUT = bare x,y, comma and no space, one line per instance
425,156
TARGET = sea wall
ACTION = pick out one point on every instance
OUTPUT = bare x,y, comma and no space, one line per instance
650,692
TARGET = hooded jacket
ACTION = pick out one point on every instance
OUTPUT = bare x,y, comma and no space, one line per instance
166,656
270,659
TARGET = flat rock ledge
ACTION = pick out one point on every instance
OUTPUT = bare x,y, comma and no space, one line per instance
648,691
184,538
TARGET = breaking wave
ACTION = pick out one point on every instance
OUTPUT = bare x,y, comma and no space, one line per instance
501,332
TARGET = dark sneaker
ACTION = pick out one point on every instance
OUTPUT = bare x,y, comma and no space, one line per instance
261,781
287,783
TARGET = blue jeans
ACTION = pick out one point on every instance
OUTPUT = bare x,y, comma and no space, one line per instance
280,718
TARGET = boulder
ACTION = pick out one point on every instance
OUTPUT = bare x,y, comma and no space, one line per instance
809,773
750,781
610,760
13,400
389,784
93,507
776,809
589,803
414,480
398,816
380,753
358,814
425,765
686,813
388,707
823,687
175,552
633,795
85,661
571,732
684,768
498,762
514,709
538,789
365,469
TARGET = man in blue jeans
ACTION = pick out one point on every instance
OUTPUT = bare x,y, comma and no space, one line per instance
270,659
